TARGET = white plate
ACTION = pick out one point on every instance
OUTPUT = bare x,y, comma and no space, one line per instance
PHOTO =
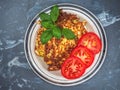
54,77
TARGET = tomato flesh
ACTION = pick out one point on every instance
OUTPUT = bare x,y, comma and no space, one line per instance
72,68
84,54
91,41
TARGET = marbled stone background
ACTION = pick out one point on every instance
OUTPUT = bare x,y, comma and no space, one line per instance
15,73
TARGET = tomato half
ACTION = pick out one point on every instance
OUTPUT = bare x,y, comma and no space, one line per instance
84,54
91,41
72,68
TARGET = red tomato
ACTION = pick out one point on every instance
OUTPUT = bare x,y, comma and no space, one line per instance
72,68
84,54
91,41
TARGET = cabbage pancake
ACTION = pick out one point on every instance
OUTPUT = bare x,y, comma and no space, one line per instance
57,50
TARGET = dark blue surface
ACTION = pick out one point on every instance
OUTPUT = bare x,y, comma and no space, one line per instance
15,73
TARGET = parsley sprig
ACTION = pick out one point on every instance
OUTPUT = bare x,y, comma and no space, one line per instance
52,30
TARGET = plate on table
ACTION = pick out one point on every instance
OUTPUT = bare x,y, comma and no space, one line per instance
37,63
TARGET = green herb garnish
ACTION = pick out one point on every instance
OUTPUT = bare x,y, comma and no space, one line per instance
48,21
68,33
46,36
45,17
57,32
54,13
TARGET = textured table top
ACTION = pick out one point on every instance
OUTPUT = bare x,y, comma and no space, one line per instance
16,74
